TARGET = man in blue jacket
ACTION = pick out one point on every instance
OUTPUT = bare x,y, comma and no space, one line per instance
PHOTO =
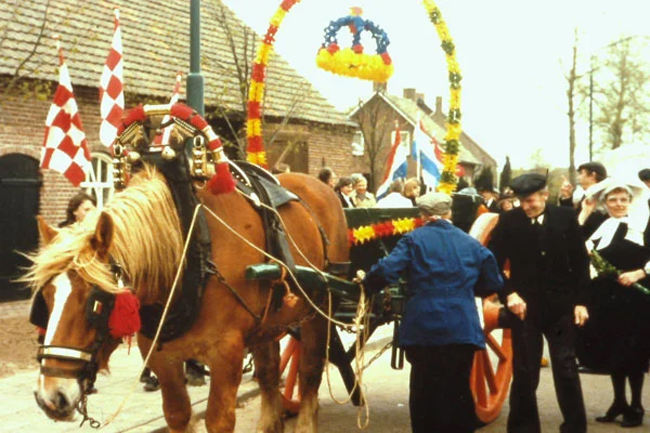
444,269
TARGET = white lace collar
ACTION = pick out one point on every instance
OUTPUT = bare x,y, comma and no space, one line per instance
605,233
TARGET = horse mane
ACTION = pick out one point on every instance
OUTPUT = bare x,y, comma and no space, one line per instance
147,242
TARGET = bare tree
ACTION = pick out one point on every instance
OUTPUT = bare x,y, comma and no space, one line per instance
622,94
242,43
376,123
572,79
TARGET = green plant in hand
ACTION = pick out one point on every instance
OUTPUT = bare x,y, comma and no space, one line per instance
606,269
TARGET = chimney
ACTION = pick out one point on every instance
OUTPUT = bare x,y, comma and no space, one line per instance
419,97
379,87
438,105
410,94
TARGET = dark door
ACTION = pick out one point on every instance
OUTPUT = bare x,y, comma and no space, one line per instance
20,185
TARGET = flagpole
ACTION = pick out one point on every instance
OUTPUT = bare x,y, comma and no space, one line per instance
418,173
93,179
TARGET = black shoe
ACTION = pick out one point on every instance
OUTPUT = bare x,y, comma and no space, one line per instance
152,384
145,376
633,417
613,412
194,378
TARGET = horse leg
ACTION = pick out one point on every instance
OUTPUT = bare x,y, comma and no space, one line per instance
176,400
312,337
267,370
226,360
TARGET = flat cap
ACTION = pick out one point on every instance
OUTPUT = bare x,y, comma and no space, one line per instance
434,203
528,183
644,175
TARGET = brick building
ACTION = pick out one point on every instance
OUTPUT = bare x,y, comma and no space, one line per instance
378,115
301,128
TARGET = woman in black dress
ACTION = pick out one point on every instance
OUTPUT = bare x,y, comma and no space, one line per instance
618,335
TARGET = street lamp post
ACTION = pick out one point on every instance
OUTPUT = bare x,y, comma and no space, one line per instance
195,78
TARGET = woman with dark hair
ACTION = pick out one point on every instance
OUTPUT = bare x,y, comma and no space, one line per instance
344,189
78,206
618,338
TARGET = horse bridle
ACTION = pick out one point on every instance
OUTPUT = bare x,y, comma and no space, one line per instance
98,310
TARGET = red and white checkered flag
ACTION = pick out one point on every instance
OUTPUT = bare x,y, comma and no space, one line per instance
111,89
163,139
65,148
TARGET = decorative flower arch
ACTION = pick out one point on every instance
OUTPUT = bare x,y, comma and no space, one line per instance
256,153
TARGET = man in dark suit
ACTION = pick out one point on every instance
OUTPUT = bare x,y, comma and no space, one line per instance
490,197
549,270
589,174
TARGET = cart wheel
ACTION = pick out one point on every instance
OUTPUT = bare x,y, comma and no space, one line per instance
291,394
492,368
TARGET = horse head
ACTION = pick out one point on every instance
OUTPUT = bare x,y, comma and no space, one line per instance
76,285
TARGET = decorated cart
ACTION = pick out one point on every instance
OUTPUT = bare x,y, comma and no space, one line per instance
373,233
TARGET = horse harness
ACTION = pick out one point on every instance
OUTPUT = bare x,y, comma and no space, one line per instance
99,307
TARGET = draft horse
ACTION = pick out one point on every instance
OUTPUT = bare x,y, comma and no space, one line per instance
137,237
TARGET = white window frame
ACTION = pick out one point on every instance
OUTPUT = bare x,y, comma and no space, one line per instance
99,183
358,144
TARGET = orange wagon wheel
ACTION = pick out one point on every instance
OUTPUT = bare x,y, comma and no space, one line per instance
492,369
292,392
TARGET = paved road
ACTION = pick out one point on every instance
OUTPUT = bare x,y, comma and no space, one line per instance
387,392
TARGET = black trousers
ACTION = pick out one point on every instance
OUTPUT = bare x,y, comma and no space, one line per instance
527,346
440,400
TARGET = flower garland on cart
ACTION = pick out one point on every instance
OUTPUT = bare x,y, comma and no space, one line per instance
362,234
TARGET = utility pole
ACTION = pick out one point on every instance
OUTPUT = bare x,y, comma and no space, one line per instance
591,108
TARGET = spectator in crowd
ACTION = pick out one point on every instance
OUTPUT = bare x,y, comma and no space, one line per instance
78,207
327,176
589,174
361,197
395,199
344,189
621,319
490,198
412,189
444,270
545,297
505,204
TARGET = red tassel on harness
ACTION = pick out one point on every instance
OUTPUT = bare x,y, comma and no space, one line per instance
222,182
125,318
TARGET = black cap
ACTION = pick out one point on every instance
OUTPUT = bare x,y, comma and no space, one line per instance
528,183
644,174
594,167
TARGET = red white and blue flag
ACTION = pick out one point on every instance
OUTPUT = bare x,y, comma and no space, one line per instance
427,152
163,139
111,89
396,167
65,148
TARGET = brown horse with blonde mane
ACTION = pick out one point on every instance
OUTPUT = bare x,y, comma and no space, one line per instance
140,231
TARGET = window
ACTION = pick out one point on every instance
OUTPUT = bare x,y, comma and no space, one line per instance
358,144
99,183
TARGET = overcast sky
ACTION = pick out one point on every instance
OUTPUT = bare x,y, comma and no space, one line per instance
513,55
